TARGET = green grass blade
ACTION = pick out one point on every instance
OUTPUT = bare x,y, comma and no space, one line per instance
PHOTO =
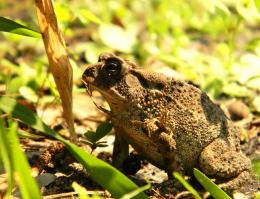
210,186
256,167
106,175
5,154
15,109
103,173
7,25
132,194
28,186
186,185
82,192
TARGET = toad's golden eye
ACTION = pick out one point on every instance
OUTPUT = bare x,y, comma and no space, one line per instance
113,67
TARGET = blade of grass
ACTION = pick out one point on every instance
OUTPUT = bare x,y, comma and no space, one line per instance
256,167
24,134
103,173
106,175
5,154
7,25
186,185
28,186
132,194
83,193
16,163
210,186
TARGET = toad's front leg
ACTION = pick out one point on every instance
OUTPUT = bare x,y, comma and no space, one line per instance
154,142
158,130
120,150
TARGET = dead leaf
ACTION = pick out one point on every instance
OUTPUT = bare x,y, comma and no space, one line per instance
57,57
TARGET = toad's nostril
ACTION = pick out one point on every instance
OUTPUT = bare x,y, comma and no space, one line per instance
90,72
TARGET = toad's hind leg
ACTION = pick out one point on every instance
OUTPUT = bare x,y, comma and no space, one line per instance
218,160
232,167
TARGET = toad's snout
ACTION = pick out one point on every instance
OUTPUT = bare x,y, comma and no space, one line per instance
89,74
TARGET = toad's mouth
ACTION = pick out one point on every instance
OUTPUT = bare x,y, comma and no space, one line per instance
87,85
89,89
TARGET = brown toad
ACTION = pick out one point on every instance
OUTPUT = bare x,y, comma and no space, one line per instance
171,123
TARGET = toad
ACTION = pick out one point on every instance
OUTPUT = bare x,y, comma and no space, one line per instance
170,123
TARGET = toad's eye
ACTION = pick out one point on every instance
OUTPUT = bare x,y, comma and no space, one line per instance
113,67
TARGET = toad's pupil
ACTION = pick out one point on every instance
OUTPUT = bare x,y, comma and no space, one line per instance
112,66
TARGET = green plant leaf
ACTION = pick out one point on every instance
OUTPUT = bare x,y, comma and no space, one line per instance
257,5
16,110
17,162
28,93
106,175
6,154
90,135
186,185
28,186
85,16
103,173
13,84
256,167
25,134
257,196
82,192
7,25
210,186
102,130
233,89
134,193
